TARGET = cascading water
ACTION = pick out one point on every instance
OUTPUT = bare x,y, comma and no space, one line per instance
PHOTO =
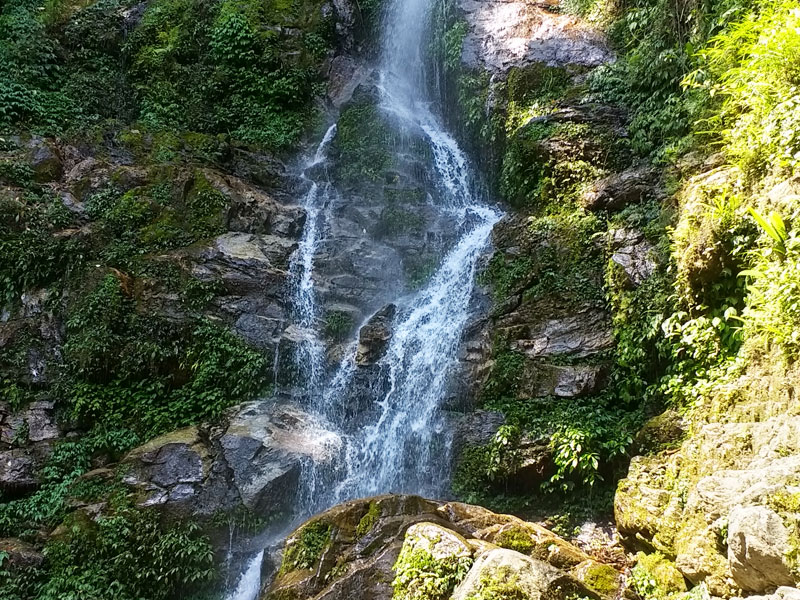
310,351
404,447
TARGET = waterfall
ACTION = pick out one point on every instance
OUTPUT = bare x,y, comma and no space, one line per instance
310,351
405,445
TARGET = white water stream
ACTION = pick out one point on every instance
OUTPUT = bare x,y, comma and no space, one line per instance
405,447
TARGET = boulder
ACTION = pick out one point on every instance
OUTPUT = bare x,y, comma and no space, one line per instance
510,574
373,339
355,551
758,543
19,554
265,447
44,160
621,189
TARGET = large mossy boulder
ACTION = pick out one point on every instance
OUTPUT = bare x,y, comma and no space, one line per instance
406,547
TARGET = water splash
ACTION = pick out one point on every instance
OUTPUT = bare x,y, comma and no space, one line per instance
249,583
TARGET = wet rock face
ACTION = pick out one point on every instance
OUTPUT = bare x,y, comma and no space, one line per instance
358,549
511,33
374,336
26,440
253,460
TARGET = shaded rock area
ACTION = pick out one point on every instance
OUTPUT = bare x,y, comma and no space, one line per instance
252,460
26,439
359,548
20,554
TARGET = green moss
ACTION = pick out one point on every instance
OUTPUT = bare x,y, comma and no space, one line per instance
369,519
338,325
502,585
304,549
656,578
419,269
363,138
534,177
398,221
515,539
420,576
603,579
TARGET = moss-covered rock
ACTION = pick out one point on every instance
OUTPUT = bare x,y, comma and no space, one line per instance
432,561
411,548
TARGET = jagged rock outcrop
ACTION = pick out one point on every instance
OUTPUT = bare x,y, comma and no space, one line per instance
507,33
631,251
357,549
252,460
621,189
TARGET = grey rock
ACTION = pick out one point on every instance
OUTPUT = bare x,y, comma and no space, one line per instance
374,336
45,161
476,428
36,421
633,253
20,554
621,189
758,542
506,33
580,333
563,381
265,446
252,461
344,76
254,211
18,471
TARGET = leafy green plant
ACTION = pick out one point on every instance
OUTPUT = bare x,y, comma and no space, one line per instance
420,576
774,227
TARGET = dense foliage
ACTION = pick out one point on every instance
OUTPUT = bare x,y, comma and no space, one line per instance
217,67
